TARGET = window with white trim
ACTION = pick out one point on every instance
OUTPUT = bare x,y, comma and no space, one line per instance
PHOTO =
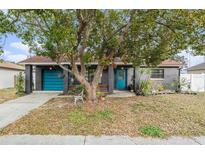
157,73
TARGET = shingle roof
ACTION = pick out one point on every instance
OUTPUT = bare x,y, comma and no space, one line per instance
171,63
13,66
44,60
37,59
197,67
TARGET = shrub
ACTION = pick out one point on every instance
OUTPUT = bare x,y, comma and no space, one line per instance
174,85
151,130
76,90
20,84
145,87
161,88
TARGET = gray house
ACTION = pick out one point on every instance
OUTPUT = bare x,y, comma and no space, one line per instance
42,74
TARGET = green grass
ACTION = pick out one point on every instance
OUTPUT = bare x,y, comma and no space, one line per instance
152,131
78,116
105,114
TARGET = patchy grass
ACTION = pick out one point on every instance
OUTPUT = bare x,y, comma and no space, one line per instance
106,114
157,116
152,131
7,94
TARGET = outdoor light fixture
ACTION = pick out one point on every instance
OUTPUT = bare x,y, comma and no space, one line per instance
50,68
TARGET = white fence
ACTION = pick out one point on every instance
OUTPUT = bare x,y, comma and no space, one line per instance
193,82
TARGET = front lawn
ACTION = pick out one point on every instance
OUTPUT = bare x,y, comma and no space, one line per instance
156,116
7,94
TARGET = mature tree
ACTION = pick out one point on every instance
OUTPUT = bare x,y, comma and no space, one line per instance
137,36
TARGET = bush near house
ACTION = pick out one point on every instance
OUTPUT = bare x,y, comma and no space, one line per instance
20,83
77,89
145,87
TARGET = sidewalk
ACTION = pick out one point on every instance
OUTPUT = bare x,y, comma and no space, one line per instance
93,140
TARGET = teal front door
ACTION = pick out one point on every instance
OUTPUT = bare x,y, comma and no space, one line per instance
121,78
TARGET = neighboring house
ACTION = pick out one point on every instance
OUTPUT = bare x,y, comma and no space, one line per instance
197,69
8,73
194,79
49,76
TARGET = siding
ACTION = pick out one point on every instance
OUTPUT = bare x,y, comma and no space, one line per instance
170,75
7,77
196,72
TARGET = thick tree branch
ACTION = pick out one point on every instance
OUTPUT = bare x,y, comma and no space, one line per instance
97,75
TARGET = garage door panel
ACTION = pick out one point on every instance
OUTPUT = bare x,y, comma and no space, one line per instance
53,80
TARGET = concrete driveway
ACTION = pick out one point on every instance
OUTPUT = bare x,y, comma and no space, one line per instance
13,110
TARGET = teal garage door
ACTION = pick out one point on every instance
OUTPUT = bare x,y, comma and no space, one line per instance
53,80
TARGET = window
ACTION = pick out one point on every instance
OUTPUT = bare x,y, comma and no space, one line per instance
157,73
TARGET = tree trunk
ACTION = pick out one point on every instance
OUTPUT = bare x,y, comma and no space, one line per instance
91,94
90,88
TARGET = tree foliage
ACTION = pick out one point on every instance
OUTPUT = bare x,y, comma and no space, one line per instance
5,27
137,36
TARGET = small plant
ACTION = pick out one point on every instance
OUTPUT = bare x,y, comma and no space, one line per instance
151,130
160,88
106,114
98,94
145,87
20,84
174,85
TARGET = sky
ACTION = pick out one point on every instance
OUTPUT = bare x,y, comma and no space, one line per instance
14,49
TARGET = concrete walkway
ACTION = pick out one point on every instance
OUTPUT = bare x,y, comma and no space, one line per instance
13,110
121,93
93,140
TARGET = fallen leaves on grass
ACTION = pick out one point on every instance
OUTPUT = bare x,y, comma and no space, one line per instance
7,94
174,114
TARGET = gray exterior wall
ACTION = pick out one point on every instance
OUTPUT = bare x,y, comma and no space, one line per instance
170,75
130,76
